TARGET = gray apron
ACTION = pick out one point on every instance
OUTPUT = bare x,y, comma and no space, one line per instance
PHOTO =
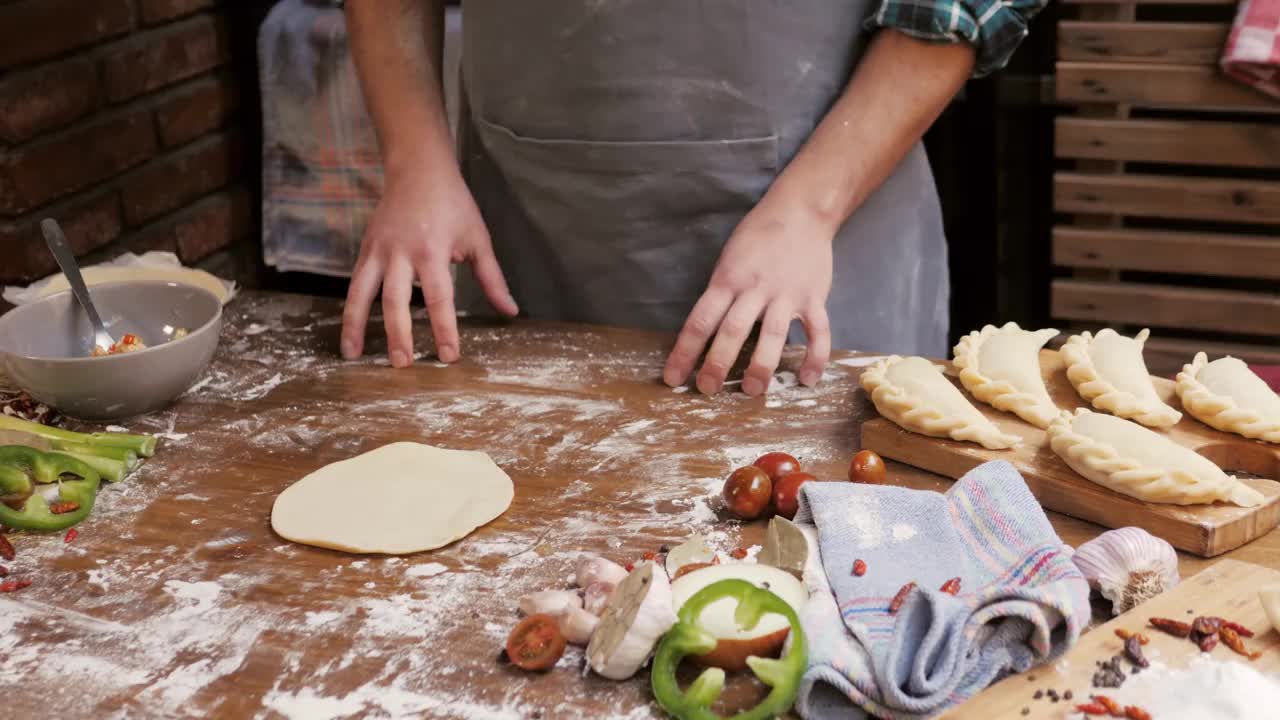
613,146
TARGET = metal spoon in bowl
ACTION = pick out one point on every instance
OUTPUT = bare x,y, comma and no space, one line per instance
66,258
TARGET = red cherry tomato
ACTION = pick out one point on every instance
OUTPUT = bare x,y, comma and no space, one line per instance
777,464
786,493
536,643
747,492
867,467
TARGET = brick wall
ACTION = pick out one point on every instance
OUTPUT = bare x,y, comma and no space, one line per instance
118,118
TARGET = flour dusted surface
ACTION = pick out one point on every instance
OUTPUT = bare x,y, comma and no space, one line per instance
178,601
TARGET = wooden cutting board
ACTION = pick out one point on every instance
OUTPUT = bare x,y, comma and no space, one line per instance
1206,530
1227,589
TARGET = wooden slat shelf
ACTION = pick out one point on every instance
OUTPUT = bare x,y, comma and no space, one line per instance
1164,251
1157,86
1167,306
1142,42
1215,199
1179,142
1176,179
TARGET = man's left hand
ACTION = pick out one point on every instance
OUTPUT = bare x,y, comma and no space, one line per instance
776,268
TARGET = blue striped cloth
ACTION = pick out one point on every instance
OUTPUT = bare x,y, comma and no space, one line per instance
1021,601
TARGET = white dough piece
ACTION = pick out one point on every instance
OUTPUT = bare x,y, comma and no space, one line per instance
1130,459
1107,369
1227,395
400,498
1001,367
913,393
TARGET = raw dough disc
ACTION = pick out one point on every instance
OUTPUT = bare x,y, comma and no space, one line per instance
401,498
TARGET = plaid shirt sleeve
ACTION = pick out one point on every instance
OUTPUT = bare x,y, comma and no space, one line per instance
994,27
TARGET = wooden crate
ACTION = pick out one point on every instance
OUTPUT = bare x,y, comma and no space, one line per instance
1169,197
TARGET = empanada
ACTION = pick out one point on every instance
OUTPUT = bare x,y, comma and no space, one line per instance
914,393
1130,459
1227,395
1107,370
1001,367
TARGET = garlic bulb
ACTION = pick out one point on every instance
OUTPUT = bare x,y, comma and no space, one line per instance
597,569
638,615
1128,566
577,625
551,602
596,597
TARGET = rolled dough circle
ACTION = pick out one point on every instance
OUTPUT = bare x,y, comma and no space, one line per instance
400,498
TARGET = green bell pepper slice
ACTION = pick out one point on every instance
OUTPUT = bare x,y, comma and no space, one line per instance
23,506
688,638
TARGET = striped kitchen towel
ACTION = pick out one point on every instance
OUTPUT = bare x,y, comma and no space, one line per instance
1252,52
1020,602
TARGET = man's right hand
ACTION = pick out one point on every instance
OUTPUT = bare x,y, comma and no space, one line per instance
424,222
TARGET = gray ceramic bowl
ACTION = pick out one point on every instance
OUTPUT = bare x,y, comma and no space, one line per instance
45,348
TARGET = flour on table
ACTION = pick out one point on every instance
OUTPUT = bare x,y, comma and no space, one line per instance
427,570
861,361
1207,689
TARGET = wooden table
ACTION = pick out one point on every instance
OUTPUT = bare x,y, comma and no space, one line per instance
177,600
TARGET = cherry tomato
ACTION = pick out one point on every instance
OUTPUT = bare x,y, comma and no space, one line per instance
867,467
747,492
787,491
536,643
777,464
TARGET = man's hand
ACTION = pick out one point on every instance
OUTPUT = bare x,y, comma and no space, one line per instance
424,222
776,266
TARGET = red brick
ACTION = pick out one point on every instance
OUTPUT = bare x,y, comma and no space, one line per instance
40,29
153,59
89,222
173,180
212,225
155,12
46,98
73,159
196,109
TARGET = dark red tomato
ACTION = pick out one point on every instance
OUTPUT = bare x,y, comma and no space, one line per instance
867,467
777,464
786,493
536,643
747,492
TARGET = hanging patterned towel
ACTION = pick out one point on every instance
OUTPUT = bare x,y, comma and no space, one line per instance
1252,52
1021,602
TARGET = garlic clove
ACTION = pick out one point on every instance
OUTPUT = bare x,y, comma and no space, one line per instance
551,602
597,569
577,625
1128,566
596,597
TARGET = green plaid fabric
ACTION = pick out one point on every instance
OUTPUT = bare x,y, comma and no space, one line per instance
993,27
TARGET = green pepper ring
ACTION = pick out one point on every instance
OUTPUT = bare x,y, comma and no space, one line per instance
22,467
688,638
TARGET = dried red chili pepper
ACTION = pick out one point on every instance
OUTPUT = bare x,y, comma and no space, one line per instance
1133,649
1232,639
14,585
1133,712
1113,707
1239,629
6,548
859,568
1208,642
71,535
1092,709
651,555
62,508
1205,625
896,603
1172,627
951,587
738,553
1124,634
629,567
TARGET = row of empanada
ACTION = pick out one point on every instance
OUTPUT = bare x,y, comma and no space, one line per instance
1001,367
